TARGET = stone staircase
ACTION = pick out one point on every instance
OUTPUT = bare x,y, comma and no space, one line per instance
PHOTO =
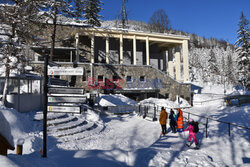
68,127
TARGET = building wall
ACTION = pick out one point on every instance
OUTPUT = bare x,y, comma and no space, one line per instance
19,102
154,78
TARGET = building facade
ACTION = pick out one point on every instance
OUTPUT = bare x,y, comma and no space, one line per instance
136,64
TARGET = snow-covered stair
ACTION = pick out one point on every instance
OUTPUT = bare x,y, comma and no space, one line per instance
50,116
96,129
73,131
69,125
61,121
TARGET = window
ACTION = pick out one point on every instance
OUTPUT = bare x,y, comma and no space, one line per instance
100,78
40,58
116,78
142,78
129,79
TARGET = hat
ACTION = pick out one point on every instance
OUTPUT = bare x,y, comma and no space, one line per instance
190,120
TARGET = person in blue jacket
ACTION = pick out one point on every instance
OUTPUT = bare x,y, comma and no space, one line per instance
173,119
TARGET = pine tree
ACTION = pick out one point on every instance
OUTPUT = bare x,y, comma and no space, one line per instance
91,10
212,62
243,49
229,69
223,69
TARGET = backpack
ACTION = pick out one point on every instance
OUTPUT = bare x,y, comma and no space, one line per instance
196,127
175,117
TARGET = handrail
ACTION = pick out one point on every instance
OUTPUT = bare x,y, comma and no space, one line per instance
208,118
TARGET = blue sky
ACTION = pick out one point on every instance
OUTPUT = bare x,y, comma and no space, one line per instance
209,18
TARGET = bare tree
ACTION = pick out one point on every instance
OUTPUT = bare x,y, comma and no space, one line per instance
15,17
55,8
159,21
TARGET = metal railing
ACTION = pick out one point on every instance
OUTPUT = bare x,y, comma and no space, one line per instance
152,110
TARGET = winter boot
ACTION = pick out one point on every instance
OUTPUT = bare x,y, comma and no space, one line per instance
197,146
188,143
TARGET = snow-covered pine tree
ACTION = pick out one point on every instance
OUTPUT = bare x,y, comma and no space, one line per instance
230,69
91,10
243,50
212,62
223,69
212,65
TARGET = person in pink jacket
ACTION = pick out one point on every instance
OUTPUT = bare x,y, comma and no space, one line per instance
191,133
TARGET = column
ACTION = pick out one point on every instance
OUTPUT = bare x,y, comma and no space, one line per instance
185,60
147,51
177,56
164,54
71,56
92,60
170,63
77,47
107,50
121,49
134,50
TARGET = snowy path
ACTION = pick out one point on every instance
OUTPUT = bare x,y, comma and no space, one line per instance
134,141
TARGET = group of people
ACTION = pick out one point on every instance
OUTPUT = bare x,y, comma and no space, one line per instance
177,125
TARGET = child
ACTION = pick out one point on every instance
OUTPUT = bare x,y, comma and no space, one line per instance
191,133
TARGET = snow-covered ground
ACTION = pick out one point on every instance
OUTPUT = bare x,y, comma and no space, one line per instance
130,140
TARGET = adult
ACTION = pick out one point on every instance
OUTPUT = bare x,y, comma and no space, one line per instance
163,120
180,124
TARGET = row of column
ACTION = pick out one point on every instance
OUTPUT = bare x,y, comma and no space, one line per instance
121,49
177,64
177,55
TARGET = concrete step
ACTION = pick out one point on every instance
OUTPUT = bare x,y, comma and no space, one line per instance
50,116
67,126
73,131
59,121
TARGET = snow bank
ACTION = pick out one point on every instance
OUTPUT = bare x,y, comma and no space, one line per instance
5,161
240,92
166,102
19,123
92,116
115,100
5,130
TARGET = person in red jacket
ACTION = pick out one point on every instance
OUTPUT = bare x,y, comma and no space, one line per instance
180,124
163,120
